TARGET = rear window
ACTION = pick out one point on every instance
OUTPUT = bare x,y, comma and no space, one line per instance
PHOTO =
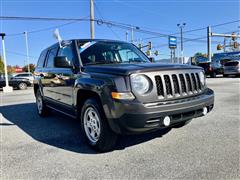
232,63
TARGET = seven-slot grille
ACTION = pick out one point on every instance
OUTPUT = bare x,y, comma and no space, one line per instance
176,85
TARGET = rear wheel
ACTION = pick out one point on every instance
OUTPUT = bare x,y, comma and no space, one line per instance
95,129
42,109
22,86
213,74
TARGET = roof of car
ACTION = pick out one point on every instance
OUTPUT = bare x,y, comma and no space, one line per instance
88,40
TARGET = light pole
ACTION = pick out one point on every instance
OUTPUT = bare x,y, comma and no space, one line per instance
26,40
132,32
92,18
181,26
7,88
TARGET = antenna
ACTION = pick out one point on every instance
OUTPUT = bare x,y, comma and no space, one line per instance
57,36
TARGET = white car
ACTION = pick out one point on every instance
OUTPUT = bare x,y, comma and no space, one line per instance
24,75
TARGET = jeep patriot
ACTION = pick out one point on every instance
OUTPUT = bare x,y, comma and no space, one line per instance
113,88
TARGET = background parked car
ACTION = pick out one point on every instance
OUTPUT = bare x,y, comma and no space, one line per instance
207,67
19,83
232,68
217,66
24,75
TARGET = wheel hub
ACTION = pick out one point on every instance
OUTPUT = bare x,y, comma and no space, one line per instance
92,124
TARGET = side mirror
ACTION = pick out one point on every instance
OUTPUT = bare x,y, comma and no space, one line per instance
62,62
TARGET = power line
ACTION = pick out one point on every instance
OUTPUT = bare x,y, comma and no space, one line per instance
43,29
99,12
110,24
20,54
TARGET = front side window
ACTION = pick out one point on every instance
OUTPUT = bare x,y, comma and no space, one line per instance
68,52
110,52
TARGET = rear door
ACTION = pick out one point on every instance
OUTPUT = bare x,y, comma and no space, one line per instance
48,75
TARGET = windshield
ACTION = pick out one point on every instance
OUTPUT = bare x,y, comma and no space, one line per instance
110,52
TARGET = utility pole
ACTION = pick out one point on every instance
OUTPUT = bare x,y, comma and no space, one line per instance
224,44
92,18
181,26
26,40
7,88
131,34
209,35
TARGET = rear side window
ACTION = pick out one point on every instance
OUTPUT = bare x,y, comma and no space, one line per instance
42,59
232,63
51,54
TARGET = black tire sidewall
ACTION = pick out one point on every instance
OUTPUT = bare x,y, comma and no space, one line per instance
107,138
93,104
44,107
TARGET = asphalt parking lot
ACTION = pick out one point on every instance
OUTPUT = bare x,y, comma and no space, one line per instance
51,148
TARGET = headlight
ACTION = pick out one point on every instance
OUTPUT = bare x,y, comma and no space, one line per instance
202,78
140,84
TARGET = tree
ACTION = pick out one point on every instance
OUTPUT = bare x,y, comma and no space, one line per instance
1,65
31,67
10,69
198,54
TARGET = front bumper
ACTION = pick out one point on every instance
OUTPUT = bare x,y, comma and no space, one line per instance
133,117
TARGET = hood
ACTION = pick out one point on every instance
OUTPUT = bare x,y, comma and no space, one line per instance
126,69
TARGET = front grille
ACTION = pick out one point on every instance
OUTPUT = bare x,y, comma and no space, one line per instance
175,85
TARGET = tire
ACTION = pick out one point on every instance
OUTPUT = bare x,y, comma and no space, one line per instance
213,75
225,75
42,109
181,124
95,128
22,86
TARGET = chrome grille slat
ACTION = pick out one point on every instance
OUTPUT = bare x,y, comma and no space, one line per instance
189,83
183,83
199,83
159,85
194,82
168,85
175,84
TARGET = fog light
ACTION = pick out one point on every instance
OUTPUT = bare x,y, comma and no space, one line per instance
166,121
205,111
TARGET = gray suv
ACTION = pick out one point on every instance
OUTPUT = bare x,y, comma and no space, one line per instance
113,88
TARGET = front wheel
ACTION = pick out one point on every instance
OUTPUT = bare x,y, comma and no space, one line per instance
22,86
94,127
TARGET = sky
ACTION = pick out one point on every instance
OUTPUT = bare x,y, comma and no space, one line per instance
161,16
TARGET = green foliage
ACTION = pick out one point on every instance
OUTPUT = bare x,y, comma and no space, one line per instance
1,65
199,54
31,67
